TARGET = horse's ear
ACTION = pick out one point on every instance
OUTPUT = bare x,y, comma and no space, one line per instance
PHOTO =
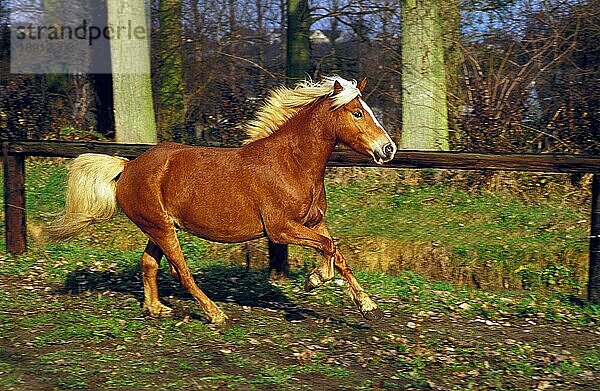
337,87
362,84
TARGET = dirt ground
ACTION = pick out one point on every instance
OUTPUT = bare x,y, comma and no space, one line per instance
89,332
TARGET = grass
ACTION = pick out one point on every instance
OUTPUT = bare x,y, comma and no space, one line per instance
494,230
100,339
70,313
494,239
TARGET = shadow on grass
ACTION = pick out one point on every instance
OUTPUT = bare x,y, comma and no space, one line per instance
222,283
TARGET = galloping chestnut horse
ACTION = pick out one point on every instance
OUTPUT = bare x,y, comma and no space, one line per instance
271,186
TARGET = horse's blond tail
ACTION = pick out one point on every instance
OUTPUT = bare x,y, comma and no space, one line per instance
91,194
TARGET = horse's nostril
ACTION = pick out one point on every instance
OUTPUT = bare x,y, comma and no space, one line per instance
388,149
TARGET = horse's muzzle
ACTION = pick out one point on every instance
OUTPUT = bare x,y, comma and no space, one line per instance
384,153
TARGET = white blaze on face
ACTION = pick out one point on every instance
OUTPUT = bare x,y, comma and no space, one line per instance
368,110
383,140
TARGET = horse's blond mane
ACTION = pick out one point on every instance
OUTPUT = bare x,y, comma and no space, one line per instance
283,103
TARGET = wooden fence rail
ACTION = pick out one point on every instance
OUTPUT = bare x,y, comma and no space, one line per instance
15,152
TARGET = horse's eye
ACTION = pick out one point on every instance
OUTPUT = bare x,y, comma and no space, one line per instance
357,114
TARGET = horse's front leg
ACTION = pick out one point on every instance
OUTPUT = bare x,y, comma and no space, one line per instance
366,306
325,269
291,232
319,238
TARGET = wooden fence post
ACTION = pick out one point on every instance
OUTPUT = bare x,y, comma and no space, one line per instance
594,273
15,225
279,266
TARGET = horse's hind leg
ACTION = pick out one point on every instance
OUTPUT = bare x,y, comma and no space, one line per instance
150,261
169,244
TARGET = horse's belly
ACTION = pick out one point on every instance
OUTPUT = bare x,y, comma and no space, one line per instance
220,224
224,234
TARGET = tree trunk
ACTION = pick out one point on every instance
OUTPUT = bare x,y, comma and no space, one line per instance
130,62
283,29
102,82
260,29
171,107
452,60
105,120
424,108
298,64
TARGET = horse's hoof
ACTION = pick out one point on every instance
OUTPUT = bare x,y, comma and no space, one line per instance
374,314
159,310
313,280
218,318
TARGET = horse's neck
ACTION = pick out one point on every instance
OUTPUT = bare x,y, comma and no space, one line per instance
307,138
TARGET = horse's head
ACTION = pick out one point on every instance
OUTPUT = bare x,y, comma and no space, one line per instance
356,125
